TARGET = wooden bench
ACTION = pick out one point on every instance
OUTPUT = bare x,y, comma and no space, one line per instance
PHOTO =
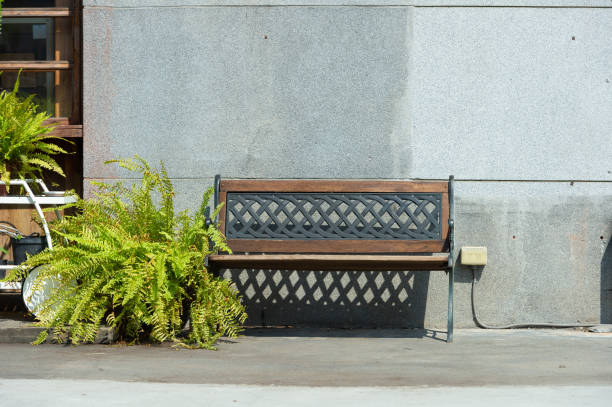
337,225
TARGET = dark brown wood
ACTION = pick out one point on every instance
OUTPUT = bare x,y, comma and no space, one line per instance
72,165
330,262
63,52
39,66
63,128
335,246
68,131
56,121
338,186
77,71
37,12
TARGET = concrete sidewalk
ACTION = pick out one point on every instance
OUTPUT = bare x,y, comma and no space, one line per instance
91,393
319,357
305,367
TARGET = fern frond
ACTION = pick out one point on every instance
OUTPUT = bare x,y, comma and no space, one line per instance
46,162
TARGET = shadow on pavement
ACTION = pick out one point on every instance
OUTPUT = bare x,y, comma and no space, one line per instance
305,332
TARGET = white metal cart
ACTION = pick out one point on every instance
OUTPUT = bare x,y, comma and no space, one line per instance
46,198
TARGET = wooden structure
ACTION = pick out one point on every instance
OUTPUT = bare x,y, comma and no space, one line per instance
62,61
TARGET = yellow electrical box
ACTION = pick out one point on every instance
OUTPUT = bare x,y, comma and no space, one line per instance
474,256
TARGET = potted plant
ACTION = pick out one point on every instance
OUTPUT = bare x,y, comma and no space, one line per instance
137,266
26,147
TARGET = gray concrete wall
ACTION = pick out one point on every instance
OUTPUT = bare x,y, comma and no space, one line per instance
515,101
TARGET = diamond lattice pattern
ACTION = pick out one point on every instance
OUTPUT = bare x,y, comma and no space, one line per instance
333,216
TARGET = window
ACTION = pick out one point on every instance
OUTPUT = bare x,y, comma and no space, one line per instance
29,39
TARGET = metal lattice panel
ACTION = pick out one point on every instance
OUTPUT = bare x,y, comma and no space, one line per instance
305,216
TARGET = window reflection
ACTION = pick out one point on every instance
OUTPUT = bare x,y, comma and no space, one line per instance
40,84
26,39
29,39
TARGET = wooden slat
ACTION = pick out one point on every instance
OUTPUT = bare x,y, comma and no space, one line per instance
331,262
68,131
77,72
37,12
339,186
56,120
63,128
444,216
40,66
336,246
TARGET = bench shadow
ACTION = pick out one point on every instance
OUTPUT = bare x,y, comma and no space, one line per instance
306,332
331,299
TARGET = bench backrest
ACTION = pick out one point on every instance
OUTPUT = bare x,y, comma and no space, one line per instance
334,216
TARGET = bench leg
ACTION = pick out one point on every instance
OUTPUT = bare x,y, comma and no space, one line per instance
449,327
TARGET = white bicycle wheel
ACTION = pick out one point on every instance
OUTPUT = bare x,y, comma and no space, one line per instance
32,299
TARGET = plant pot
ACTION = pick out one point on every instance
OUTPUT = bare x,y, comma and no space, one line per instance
27,245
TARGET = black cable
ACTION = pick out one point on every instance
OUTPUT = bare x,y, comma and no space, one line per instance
511,326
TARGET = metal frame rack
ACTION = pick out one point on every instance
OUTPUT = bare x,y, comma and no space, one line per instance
47,197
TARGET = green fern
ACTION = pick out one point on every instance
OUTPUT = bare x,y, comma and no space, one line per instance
136,266
25,147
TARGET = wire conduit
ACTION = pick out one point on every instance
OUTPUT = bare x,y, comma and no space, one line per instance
481,324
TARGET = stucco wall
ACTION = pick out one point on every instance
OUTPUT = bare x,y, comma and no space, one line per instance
516,102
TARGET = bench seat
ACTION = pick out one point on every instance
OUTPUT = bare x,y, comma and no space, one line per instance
334,262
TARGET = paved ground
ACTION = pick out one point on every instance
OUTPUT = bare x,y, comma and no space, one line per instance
104,393
317,366
306,367
310,357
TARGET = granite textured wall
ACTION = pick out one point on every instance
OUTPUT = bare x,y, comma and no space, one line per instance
516,102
